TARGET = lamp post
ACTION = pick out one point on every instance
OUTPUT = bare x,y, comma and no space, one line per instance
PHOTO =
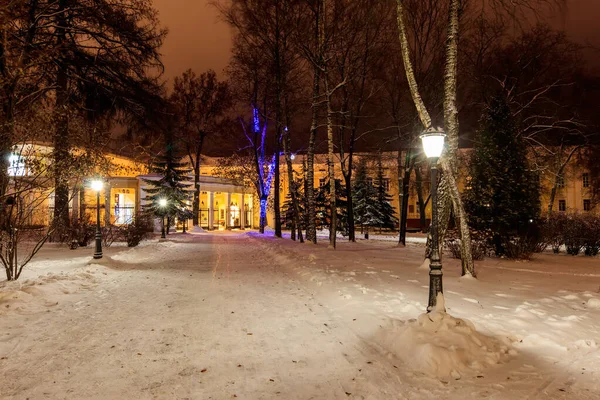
433,145
97,187
163,203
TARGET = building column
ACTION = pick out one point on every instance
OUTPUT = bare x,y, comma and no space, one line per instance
228,211
211,203
107,204
251,214
243,212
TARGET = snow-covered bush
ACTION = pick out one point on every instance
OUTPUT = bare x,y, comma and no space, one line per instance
552,228
591,240
138,230
522,247
82,231
577,232
574,233
480,247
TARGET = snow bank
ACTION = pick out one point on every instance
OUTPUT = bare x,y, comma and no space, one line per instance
594,303
34,295
442,346
150,252
196,229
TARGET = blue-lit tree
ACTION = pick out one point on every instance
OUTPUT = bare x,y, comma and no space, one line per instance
264,166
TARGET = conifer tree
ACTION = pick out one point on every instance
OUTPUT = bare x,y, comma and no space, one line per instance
385,212
288,206
323,207
503,193
171,186
366,211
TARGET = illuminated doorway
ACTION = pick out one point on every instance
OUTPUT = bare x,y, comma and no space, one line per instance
234,216
123,205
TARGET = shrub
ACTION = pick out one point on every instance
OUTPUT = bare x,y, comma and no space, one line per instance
138,230
83,231
112,233
552,230
591,239
574,233
479,244
521,247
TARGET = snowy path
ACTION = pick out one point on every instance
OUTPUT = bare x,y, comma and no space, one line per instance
233,316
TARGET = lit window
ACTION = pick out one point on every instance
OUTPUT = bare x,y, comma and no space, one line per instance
322,182
586,180
587,205
562,205
560,182
16,165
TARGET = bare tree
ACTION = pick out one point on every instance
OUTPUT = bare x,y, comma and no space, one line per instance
267,26
29,195
541,74
200,103
449,187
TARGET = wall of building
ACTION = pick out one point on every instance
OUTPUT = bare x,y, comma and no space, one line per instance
123,194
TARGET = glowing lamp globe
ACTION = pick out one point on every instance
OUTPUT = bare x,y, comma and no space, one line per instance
433,142
97,185
162,202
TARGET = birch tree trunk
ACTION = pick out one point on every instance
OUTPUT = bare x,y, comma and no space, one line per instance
331,173
311,228
421,199
449,162
293,189
449,189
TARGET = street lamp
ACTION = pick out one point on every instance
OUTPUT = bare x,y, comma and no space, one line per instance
433,145
163,203
97,187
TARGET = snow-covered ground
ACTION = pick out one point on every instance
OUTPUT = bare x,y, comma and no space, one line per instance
239,315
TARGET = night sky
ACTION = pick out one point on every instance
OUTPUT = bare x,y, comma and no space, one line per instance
199,40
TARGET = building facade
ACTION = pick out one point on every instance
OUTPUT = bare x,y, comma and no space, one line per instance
225,204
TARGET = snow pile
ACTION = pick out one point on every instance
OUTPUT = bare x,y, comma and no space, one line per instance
197,229
593,303
34,295
442,346
149,252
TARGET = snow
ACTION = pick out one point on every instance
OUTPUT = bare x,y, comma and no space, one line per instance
443,346
197,229
222,315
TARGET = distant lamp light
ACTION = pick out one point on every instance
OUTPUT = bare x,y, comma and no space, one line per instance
293,157
433,142
97,185
162,202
